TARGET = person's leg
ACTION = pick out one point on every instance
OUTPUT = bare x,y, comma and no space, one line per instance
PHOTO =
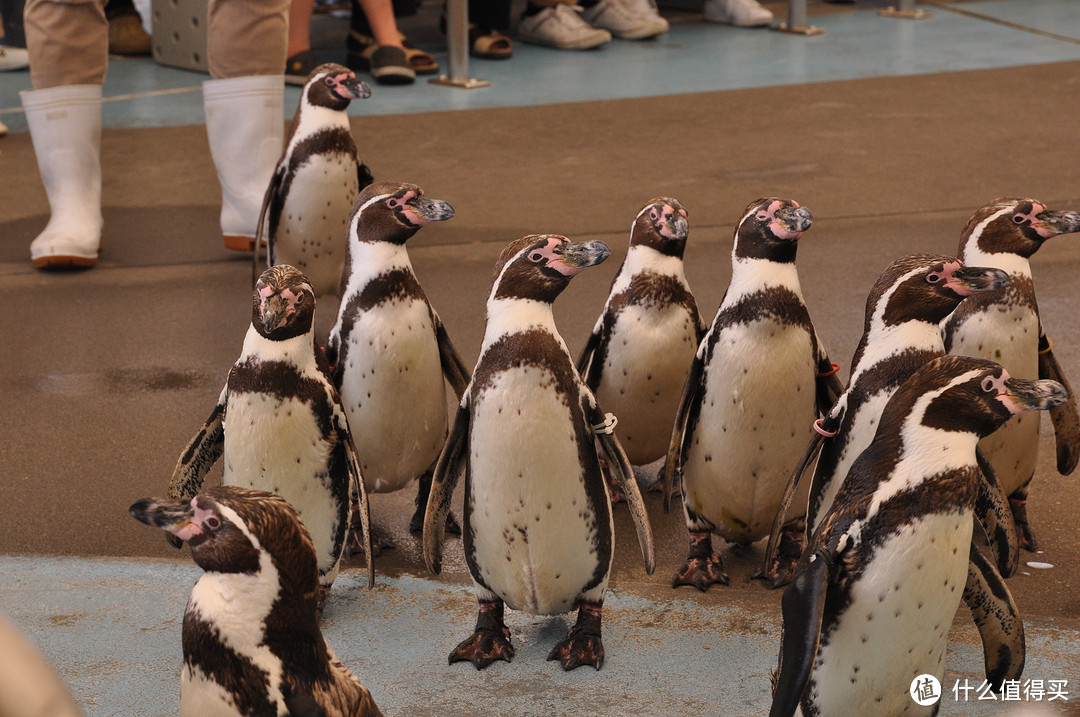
245,122
68,47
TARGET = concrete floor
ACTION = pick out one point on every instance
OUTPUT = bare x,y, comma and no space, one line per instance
106,374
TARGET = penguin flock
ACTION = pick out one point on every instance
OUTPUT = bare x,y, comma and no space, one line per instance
934,433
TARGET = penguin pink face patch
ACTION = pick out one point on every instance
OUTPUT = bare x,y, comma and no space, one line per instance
400,206
549,257
662,216
778,227
990,384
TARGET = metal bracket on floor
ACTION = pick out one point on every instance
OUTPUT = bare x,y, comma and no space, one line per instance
457,48
796,22
906,11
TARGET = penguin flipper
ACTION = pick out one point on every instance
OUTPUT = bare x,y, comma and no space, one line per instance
588,353
829,385
803,608
671,481
1066,418
200,453
999,623
453,367
272,194
996,517
357,490
812,450
612,452
443,481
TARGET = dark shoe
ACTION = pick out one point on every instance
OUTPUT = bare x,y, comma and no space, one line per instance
127,36
299,67
388,65
361,51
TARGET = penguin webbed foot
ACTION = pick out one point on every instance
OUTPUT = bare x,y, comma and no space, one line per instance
490,641
701,573
582,645
1026,537
783,564
484,647
703,567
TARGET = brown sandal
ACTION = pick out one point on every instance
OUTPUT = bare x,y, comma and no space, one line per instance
421,62
489,44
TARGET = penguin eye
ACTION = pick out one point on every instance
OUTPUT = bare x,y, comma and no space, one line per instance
933,278
654,215
392,202
536,256
762,215
213,522
1019,218
988,385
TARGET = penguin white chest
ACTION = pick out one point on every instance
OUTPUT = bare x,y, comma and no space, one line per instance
393,391
1008,335
897,624
648,357
536,536
756,415
276,444
312,228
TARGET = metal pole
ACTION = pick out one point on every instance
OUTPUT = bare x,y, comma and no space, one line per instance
457,47
796,22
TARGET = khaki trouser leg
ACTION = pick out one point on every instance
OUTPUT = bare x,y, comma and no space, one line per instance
247,37
68,42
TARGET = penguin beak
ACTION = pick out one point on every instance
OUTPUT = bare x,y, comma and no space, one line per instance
795,220
349,86
1023,394
1055,222
969,280
172,516
274,310
580,255
421,210
675,226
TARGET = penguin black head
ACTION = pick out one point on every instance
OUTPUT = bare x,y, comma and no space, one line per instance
334,86
283,304
770,229
228,528
971,395
1016,225
393,212
928,287
661,225
540,266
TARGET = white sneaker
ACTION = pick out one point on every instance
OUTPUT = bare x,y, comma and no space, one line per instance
628,19
13,58
743,13
561,26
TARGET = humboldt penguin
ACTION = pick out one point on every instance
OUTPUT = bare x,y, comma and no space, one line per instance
1004,326
530,437
279,426
251,638
875,593
759,379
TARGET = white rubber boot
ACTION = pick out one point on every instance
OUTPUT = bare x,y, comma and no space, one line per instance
65,127
245,124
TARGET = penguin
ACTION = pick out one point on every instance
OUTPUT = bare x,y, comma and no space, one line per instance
758,380
636,359
251,638
306,205
279,425
875,593
900,334
1004,326
388,348
538,530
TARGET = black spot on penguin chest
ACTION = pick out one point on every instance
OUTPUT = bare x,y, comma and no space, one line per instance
539,349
